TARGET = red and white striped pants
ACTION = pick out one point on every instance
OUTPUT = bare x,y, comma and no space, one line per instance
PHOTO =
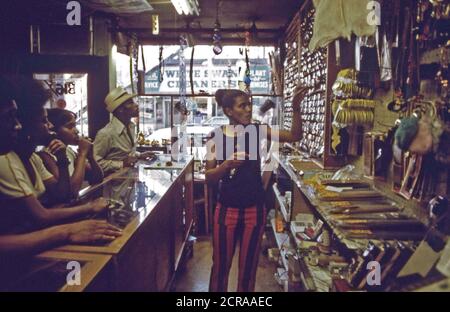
230,226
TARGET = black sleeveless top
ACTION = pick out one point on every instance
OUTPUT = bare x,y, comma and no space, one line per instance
242,187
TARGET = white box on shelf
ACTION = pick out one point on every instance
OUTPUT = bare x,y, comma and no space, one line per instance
305,217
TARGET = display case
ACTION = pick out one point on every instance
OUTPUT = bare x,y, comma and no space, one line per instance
153,204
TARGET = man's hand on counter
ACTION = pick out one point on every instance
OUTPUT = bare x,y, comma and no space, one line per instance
91,231
147,155
130,161
98,205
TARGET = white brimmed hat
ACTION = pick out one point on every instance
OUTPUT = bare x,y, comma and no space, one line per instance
117,97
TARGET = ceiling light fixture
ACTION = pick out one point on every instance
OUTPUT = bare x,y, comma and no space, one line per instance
186,7
177,6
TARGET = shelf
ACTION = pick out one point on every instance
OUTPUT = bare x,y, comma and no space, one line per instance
283,243
321,277
314,275
319,207
281,202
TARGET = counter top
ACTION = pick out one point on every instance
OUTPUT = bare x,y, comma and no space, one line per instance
134,193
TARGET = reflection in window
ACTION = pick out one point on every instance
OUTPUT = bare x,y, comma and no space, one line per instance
69,91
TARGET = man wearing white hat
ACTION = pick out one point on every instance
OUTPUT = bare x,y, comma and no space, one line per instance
115,144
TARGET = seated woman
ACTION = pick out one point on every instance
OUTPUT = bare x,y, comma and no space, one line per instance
81,165
23,177
11,238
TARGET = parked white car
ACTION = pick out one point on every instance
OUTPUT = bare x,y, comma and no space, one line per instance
198,132
216,121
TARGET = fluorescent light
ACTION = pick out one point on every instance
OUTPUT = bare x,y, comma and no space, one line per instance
186,6
177,6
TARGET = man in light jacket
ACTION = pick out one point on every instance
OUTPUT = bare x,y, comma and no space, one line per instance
115,144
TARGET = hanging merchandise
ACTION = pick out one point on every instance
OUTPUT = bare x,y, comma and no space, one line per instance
143,59
353,110
347,85
179,133
141,90
313,74
248,38
133,52
433,23
191,71
340,18
385,60
161,65
141,73
244,73
412,80
182,64
217,37
247,79
352,104
229,74
277,74
423,132
442,76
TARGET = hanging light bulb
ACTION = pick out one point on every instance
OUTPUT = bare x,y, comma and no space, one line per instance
217,48
217,45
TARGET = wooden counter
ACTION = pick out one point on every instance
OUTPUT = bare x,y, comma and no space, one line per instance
159,206
50,271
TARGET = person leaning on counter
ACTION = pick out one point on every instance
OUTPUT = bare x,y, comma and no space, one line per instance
23,179
115,144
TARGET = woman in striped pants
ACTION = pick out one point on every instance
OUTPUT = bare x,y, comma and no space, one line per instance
234,164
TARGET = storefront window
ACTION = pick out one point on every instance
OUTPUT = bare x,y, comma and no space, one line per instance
69,91
210,72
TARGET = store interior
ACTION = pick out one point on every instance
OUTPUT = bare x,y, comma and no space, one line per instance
359,203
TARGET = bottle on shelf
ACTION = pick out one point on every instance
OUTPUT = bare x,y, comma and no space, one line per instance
279,226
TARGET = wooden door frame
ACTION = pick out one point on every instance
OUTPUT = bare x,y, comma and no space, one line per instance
97,68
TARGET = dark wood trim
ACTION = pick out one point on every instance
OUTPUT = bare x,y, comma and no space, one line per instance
97,68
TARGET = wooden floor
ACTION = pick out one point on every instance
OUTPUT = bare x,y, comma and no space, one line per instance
195,276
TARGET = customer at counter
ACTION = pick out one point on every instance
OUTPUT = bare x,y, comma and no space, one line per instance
234,163
115,144
81,164
23,177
